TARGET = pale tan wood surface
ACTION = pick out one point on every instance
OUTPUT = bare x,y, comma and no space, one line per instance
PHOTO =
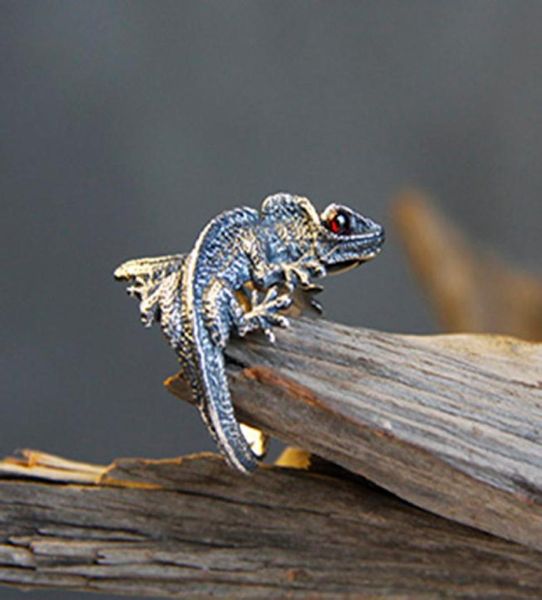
193,528
452,424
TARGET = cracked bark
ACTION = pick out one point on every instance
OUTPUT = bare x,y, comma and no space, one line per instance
193,528
452,424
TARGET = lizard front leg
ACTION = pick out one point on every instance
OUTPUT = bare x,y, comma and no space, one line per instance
290,276
263,313
301,272
298,275
271,276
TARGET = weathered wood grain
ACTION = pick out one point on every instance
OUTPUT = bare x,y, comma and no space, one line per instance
193,528
452,424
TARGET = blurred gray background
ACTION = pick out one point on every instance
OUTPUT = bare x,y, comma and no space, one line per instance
125,126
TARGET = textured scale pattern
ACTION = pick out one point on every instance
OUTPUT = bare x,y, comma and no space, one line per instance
263,257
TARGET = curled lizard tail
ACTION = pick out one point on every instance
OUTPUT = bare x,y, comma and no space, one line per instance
215,405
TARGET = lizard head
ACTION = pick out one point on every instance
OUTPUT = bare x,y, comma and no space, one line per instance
339,237
346,238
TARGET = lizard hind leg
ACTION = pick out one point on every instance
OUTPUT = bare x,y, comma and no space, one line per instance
219,311
223,311
154,282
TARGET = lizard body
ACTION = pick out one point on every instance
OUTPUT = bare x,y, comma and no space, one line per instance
262,257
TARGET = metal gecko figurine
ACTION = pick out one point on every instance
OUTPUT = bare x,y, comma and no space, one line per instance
239,276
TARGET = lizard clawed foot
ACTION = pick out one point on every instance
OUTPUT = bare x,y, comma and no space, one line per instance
300,274
313,289
294,275
263,314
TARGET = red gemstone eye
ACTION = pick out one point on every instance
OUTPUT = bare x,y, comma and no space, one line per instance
338,223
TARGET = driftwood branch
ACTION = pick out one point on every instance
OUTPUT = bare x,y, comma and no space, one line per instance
193,528
452,424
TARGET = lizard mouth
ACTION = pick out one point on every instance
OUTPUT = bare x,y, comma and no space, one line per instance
343,267
371,248
347,265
